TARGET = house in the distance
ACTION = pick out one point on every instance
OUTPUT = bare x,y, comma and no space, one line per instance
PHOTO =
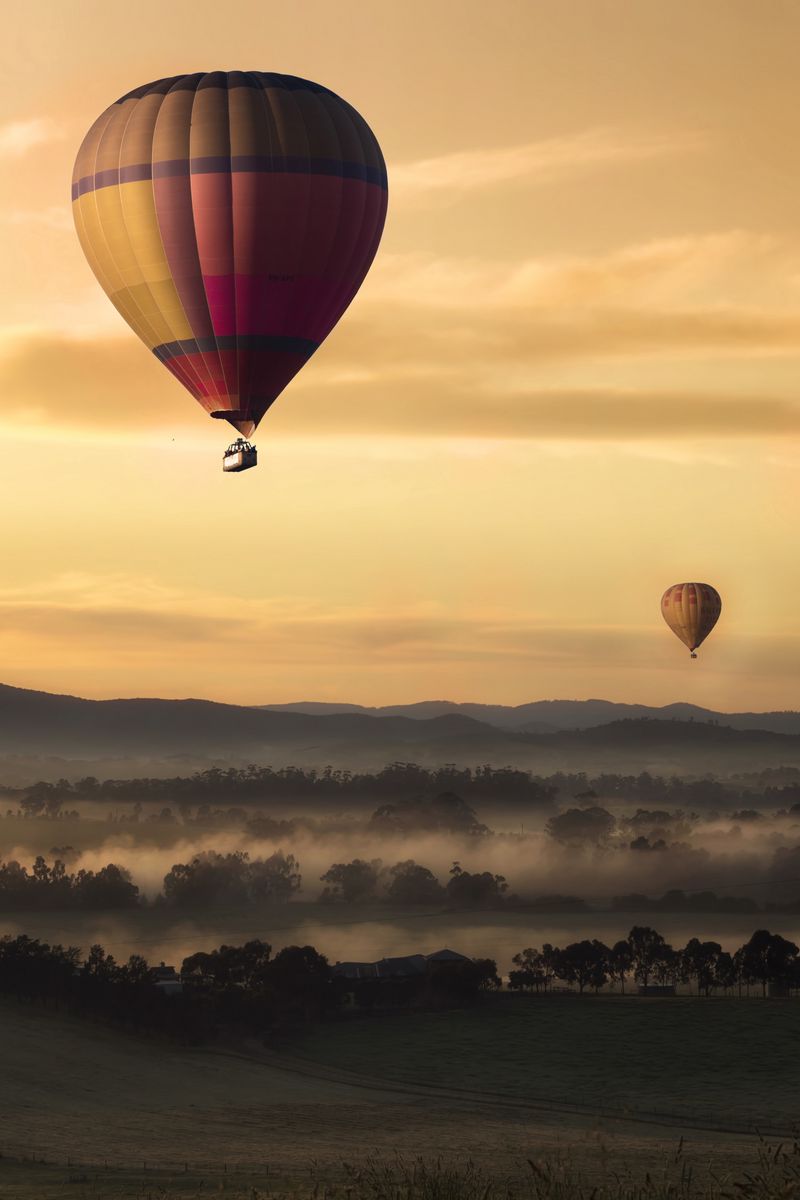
167,980
404,967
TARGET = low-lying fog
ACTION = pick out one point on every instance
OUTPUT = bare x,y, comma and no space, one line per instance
723,853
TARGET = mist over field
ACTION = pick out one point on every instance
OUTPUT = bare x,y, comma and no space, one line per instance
575,867
717,854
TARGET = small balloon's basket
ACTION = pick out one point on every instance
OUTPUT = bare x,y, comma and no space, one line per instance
239,456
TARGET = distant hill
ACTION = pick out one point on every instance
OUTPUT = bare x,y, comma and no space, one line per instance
543,716
44,736
40,722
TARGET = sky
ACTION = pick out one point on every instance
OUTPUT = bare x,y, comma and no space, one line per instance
569,381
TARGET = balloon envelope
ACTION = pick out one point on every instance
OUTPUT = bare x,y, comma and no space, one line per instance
691,610
231,218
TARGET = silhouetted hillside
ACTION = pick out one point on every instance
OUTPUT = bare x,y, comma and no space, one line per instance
149,732
656,732
38,722
542,716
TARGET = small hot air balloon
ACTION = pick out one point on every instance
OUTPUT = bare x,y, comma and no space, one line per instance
231,218
691,610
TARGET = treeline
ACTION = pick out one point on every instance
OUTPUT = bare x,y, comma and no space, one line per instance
212,880
258,785
645,956
243,988
47,887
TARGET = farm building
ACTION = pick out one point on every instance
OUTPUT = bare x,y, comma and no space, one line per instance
167,979
403,967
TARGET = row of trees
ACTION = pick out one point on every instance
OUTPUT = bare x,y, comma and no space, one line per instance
54,888
253,785
257,785
645,829
240,987
647,958
212,880
408,883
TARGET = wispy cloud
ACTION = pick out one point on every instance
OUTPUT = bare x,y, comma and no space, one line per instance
478,387
295,643
662,271
534,163
468,348
17,138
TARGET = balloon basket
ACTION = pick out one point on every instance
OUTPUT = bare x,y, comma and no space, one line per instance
239,456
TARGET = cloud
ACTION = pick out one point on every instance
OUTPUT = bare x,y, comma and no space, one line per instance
665,271
17,138
469,348
103,383
67,625
534,163
447,390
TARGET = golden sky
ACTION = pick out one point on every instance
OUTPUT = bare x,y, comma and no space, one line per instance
570,379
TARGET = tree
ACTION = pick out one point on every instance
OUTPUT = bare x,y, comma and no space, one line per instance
355,882
275,878
413,884
209,879
215,879
99,965
478,890
647,949
699,961
591,824
530,971
110,887
445,813
768,958
725,974
583,963
667,967
230,965
299,981
619,963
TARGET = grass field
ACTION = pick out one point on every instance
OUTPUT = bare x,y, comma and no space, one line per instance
96,1113
97,1105
723,1062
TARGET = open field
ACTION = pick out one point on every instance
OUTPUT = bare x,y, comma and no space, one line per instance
366,933
726,1063
93,1102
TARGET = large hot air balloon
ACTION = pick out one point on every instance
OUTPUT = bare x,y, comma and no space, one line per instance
691,610
231,218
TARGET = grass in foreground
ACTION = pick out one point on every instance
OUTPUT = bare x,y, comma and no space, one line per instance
775,1175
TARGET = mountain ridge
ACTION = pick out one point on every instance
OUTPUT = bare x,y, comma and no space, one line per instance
544,716
149,734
